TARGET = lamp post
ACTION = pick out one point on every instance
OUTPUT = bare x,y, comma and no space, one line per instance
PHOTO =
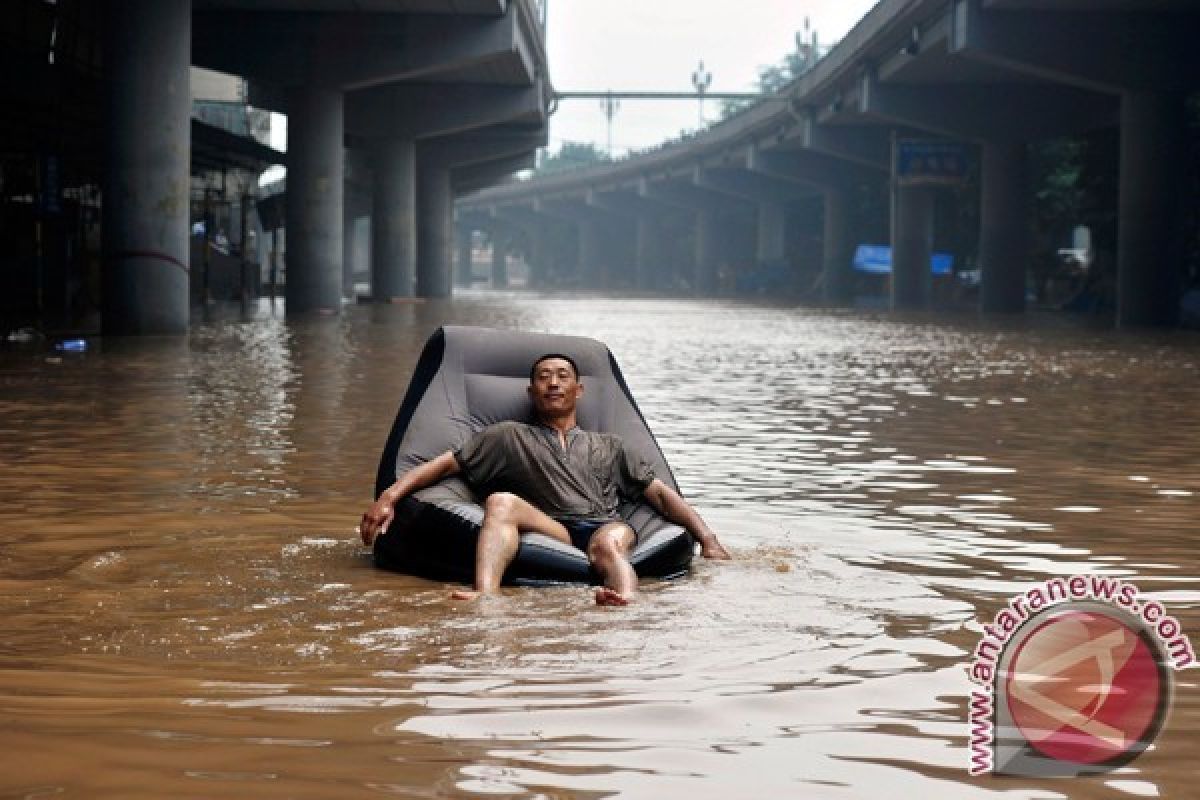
701,80
806,46
609,105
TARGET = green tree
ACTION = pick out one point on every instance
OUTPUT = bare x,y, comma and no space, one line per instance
770,80
570,155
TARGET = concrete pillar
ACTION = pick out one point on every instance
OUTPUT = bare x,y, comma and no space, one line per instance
315,194
647,256
912,247
349,245
837,248
147,172
1148,218
463,274
772,228
1003,227
591,253
435,223
393,220
499,261
708,252
539,254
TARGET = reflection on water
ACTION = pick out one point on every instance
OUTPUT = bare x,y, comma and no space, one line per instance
186,612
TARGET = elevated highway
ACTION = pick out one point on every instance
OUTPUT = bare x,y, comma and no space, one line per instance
991,75
423,99
431,96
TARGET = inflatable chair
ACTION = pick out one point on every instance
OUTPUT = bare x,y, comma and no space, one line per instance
467,379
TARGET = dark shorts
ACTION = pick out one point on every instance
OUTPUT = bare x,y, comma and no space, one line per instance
581,531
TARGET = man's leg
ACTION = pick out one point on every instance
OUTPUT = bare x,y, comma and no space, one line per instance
609,553
504,516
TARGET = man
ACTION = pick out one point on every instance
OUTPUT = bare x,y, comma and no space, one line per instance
552,478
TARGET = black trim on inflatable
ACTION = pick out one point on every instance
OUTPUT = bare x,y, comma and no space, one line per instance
455,390
427,366
620,379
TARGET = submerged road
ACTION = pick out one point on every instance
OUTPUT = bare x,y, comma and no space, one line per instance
185,611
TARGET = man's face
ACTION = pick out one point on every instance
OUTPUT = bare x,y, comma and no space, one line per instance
555,389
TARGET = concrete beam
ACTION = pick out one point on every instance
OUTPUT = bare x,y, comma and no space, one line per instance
1005,112
353,50
688,195
627,203
926,41
809,169
569,210
866,146
1100,52
526,219
755,186
472,177
435,44
476,219
464,149
421,110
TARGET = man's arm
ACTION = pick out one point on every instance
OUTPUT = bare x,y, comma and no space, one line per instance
379,516
668,503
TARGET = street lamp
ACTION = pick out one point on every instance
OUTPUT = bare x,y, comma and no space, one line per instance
701,79
806,46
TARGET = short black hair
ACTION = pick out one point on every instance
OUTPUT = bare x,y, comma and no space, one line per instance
546,357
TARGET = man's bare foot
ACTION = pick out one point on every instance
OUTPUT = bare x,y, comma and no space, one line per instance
611,597
465,594
716,551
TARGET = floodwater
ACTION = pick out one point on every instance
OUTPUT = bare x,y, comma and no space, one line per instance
185,611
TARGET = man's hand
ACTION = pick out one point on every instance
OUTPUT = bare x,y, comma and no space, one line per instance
377,518
671,505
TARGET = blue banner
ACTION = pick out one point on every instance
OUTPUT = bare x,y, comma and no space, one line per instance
876,259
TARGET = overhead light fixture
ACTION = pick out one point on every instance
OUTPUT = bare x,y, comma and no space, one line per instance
914,42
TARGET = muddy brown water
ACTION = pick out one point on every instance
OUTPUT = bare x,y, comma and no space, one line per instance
184,611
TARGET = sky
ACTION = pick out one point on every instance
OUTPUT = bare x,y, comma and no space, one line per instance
655,45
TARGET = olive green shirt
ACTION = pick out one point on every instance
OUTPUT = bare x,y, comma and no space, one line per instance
584,481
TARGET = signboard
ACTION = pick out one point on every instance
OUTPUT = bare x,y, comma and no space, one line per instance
876,259
926,162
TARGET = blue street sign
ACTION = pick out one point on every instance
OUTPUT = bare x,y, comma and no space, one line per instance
930,163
